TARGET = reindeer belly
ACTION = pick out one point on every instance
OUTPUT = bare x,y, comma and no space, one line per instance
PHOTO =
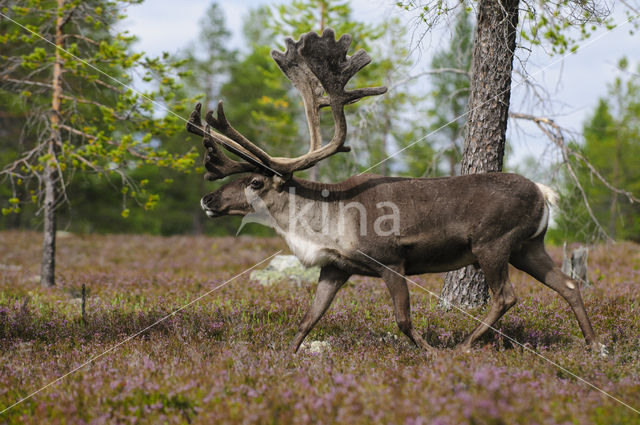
433,256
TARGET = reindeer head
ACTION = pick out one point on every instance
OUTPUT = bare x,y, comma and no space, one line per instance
319,68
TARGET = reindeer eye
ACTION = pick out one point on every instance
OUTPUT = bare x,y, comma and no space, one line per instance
256,184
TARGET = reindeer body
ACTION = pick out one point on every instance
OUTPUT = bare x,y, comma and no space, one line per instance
435,231
374,225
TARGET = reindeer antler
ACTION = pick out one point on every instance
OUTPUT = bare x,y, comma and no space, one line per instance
216,162
319,68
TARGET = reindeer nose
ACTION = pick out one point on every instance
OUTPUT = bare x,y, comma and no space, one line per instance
206,201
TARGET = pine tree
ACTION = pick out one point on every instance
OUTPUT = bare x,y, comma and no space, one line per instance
70,71
612,145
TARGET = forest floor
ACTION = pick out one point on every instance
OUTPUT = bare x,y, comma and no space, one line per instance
226,358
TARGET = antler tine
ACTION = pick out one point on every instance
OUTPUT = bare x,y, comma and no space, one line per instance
241,143
215,161
194,125
307,85
328,60
317,65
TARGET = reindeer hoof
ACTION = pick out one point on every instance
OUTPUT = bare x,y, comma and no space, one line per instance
421,343
295,347
430,351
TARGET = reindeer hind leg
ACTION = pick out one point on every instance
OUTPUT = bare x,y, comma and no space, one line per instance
535,261
495,268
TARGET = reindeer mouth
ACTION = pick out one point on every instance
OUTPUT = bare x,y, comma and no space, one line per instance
210,213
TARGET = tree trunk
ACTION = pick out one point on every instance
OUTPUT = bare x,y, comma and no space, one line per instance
48,266
489,93
47,269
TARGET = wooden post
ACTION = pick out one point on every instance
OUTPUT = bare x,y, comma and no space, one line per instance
84,302
575,265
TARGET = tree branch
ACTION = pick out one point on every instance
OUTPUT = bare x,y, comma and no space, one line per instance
431,72
93,102
635,10
81,37
110,142
109,86
27,82
558,137
555,134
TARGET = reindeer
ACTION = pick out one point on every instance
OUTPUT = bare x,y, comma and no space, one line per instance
373,225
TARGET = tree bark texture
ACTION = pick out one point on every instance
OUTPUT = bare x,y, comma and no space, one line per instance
489,95
48,266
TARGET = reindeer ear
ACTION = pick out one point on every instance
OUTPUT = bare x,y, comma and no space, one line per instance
280,181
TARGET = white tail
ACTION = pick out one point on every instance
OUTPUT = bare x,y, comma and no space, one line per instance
550,195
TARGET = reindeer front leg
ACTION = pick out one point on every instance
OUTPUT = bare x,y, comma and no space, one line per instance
331,280
397,285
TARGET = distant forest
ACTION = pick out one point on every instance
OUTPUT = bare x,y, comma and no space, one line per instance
129,167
